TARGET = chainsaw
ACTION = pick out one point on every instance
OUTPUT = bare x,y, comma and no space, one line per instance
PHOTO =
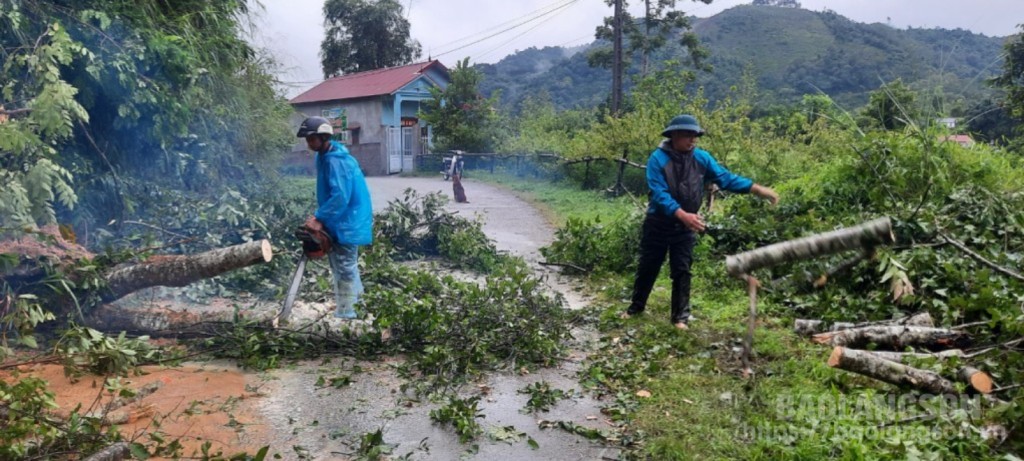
315,244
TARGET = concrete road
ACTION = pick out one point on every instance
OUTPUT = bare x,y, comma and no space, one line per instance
324,423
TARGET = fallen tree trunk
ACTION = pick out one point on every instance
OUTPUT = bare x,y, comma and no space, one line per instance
181,270
895,337
870,365
880,366
867,235
160,321
810,327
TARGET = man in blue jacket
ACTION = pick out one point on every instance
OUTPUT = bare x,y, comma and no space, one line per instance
343,208
676,174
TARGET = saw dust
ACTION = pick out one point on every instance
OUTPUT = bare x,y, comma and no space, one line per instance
50,242
195,403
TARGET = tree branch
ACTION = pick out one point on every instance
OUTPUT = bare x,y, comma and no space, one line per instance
977,257
15,112
571,266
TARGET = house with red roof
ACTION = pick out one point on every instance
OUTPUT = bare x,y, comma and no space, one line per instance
375,113
964,140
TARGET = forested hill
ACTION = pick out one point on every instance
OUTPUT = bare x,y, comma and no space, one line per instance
789,51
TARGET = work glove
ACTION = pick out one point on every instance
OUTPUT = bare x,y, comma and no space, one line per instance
315,240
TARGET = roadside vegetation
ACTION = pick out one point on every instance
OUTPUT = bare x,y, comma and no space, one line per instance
678,394
135,130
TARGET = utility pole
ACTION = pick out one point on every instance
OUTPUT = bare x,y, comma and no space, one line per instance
647,37
617,84
617,60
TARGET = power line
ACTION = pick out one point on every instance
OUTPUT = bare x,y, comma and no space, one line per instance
514,26
472,36
488,52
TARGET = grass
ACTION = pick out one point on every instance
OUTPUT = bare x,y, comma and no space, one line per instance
700,406
558,201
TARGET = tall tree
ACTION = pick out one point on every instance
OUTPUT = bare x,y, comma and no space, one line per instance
892,106
365,35
990,121
649,33
1012,78
461,118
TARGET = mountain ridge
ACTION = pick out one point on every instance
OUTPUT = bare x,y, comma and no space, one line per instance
789,51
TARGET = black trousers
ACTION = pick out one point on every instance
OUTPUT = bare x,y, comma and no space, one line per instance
663,234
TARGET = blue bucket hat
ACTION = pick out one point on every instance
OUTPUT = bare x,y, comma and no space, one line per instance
682,123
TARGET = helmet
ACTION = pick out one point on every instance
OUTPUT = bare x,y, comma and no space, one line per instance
315,125
682,123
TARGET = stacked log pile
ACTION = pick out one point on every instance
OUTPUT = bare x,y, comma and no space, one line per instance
891,340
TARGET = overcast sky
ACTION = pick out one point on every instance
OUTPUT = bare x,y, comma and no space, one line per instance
488,30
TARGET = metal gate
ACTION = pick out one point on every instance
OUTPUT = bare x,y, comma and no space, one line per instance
393,145
407,144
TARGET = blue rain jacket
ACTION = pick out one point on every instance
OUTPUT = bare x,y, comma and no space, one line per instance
342,198
680,183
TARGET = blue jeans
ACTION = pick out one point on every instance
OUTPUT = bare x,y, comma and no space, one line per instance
344,260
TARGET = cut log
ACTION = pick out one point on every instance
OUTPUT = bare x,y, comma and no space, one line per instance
870,365
977,379
181,270
864,236
810,327
920,319
895,337
840,326
903,356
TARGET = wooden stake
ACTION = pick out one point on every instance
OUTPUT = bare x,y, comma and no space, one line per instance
748,344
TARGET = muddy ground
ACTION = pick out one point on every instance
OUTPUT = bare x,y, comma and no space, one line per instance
286,409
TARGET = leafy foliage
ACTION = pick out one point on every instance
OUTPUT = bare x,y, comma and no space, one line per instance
645,35
891,107
123,99
542,396
365,35
608,244
26,404
1012,77
416,227
462,415
33,180
85,349
461,118
830,173
544,129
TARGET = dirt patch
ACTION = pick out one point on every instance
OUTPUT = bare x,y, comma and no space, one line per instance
196,403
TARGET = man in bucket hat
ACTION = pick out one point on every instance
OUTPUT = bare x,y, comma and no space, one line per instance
676,173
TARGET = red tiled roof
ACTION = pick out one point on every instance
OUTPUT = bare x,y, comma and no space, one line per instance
364,84
959,138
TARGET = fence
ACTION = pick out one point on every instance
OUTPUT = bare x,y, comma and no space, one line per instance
546,165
